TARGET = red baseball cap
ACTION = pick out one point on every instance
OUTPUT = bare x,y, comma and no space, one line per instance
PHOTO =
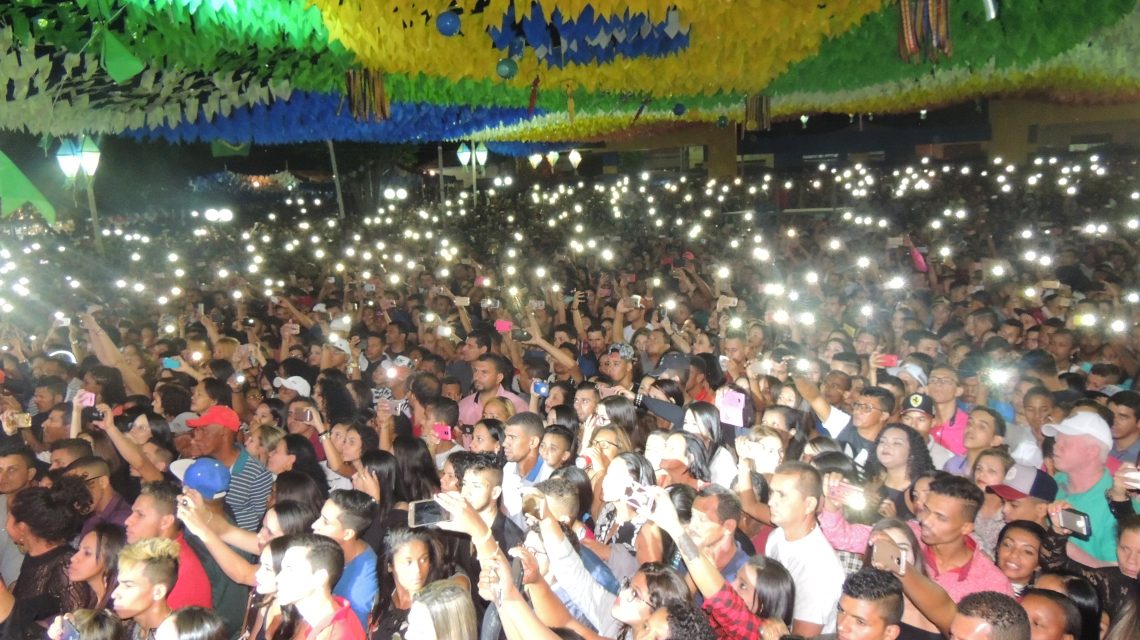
222,416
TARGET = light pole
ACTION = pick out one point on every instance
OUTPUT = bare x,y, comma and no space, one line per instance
476,159
77,157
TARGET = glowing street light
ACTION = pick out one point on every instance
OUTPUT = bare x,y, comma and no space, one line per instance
77,157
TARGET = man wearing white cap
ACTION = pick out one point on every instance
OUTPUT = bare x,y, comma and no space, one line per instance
291,388
1083,442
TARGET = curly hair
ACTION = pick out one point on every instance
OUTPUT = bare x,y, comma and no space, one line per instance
918,460
53,514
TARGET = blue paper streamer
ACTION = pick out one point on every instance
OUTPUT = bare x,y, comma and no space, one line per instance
313,117
581,41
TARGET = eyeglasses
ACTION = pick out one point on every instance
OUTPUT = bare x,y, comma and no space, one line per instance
88,480
942,382
629,594
863,407
605,444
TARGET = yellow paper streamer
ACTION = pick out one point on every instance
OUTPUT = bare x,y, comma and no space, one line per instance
735,46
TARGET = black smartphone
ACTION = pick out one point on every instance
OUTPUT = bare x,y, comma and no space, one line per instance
1076,521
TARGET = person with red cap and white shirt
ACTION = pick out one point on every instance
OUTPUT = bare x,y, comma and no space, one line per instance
215,435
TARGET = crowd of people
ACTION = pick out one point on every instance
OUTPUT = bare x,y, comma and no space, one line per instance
852,428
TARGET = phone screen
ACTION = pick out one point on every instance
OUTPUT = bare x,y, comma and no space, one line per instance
69,630
426,512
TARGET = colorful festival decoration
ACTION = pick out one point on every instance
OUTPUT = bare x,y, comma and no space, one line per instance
540,72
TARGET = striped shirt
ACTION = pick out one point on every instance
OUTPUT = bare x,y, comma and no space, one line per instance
250,483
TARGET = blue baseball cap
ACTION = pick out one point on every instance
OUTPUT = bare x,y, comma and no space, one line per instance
205,475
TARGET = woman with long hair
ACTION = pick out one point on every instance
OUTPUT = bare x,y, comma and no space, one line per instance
1018,553
443,610
378,477
262,440
703,420
96,562
1082,595
418,479
264,619
414,560
269,412
334,400
41,521
295,453
900,457
297,487
653,586
619,412
107,385
685,460
487,436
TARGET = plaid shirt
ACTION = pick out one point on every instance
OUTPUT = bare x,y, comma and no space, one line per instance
730,618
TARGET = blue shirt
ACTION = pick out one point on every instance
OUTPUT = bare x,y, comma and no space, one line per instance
358,584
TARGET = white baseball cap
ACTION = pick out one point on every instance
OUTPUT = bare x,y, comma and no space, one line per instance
1082,423
296,383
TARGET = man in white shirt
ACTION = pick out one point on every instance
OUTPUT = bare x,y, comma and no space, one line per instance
522,436
794,497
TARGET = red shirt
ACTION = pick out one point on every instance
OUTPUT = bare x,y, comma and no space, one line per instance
705,395
192,589
341,625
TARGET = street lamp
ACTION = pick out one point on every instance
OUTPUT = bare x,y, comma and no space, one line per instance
535,160
575,159
77,157
552,157
476,159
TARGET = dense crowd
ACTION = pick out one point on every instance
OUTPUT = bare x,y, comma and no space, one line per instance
914,425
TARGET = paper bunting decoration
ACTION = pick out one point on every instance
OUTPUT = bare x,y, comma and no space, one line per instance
542,73
120,63
17,191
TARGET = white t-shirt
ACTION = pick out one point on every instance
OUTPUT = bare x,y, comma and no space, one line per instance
816,572
836,422
1022,445
723,468
939,454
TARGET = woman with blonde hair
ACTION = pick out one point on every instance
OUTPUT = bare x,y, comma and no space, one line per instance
442,610
498,408
263,439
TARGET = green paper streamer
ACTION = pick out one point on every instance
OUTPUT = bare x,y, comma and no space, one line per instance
120,63
16,191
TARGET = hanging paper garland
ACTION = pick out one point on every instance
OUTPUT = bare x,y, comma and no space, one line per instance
309,117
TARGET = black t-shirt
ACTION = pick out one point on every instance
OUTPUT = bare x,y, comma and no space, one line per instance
856,447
